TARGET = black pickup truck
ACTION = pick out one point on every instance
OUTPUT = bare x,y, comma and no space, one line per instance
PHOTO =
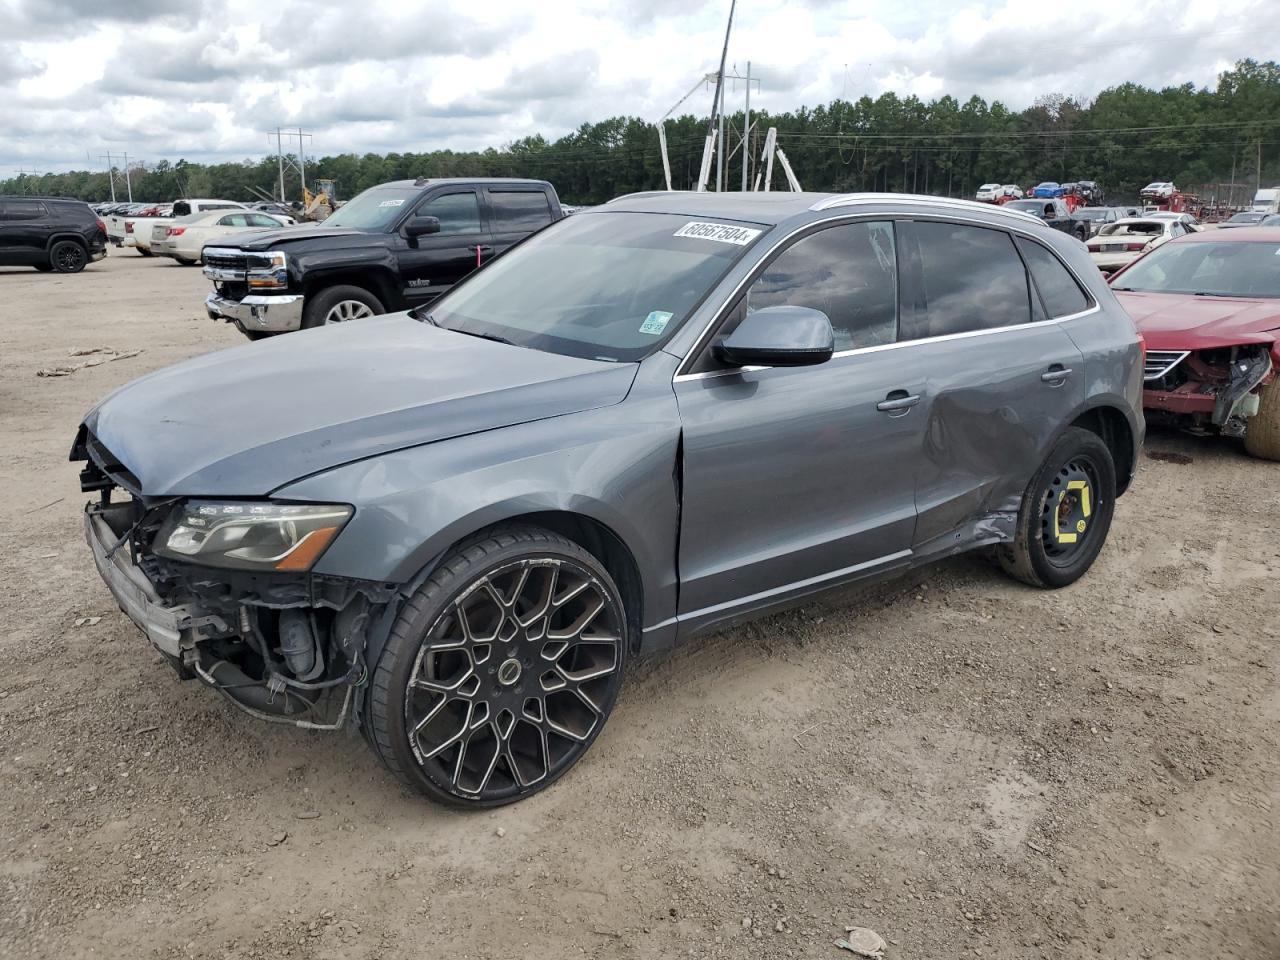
392,247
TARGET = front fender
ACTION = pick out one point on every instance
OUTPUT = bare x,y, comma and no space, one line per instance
614,465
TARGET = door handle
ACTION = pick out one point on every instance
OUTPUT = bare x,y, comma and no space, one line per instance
898,401
1057,374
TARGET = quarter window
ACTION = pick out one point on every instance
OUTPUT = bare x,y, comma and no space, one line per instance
849,272
971,278
519,210
457,212
1061,294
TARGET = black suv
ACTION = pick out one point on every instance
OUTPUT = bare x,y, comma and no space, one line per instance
395,246
50,234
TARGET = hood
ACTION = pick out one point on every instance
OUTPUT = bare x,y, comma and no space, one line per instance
245,421
1181,321
269,239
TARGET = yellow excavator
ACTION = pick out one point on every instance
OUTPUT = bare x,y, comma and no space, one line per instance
319,205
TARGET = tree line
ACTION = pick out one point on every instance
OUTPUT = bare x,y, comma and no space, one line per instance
1124,138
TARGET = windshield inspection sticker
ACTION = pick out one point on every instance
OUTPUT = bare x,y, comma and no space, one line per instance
391,203
719,232
656,322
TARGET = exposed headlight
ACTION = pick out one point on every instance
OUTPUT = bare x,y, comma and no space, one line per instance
268,271
251,536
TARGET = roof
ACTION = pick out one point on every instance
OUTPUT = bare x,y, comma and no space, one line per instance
435,181
776,206
1234,235
14,196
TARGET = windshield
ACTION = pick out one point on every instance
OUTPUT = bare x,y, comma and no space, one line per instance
1092,214
1247,218
375,209
1212,269
608,286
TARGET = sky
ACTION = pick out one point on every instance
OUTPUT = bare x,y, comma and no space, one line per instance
206,80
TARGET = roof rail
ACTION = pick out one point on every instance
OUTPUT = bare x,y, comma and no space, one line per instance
646,193
853,199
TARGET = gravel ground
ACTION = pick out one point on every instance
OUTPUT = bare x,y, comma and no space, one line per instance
966,765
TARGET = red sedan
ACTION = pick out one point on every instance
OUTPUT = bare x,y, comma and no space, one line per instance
1208,306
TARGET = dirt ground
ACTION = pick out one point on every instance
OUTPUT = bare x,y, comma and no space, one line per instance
966,765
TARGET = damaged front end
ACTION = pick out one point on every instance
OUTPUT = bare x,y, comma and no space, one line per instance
223,590
1208,391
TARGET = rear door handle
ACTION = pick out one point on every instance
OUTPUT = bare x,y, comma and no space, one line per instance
898,401
1056,374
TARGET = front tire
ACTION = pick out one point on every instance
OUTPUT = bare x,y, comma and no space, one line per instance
340,304
145,253
67,256
1262,433
1065,514
500,671
184,261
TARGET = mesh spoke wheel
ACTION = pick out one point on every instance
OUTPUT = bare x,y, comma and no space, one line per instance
513,678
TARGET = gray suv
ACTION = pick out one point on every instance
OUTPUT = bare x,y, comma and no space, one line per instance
455,527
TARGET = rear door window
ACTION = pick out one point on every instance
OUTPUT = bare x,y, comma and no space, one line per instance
21,210
519,211
1058,289
969,278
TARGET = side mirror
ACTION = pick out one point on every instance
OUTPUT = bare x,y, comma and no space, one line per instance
779,337
420,226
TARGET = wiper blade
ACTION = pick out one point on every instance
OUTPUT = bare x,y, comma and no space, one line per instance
423,317
485,336
1124,289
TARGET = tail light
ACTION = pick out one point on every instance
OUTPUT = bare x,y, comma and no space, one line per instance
1135,247
175,231
102,226
128,226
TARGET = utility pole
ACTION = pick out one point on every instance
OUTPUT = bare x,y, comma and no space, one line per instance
746,132
127,182
285,161
717,105
1257,185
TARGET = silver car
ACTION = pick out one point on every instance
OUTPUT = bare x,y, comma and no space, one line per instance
456,527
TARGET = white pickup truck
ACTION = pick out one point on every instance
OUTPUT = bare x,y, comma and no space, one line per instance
136,230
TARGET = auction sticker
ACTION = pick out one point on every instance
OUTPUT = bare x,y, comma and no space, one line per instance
719,232
656,322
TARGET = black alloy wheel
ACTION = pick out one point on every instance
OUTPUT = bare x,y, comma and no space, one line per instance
501,671
67,256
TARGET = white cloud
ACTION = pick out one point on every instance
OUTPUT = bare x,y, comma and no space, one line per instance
186,78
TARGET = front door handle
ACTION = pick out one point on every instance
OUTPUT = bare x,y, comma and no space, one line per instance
1056,374
898,402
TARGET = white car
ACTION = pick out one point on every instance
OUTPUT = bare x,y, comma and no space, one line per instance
127,231
1186,219
1119,244
990,192
1012,190
1159,189
182,239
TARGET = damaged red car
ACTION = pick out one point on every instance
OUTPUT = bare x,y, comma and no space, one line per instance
1208,306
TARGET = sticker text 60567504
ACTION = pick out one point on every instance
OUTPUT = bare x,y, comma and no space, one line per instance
719,232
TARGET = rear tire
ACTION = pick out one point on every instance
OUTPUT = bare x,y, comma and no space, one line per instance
1065,514
67,256
1262,433
500,671
145,253
338,305
185,262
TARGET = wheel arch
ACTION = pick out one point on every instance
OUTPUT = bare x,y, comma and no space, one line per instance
376,280
71,235
595,536
1113,428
